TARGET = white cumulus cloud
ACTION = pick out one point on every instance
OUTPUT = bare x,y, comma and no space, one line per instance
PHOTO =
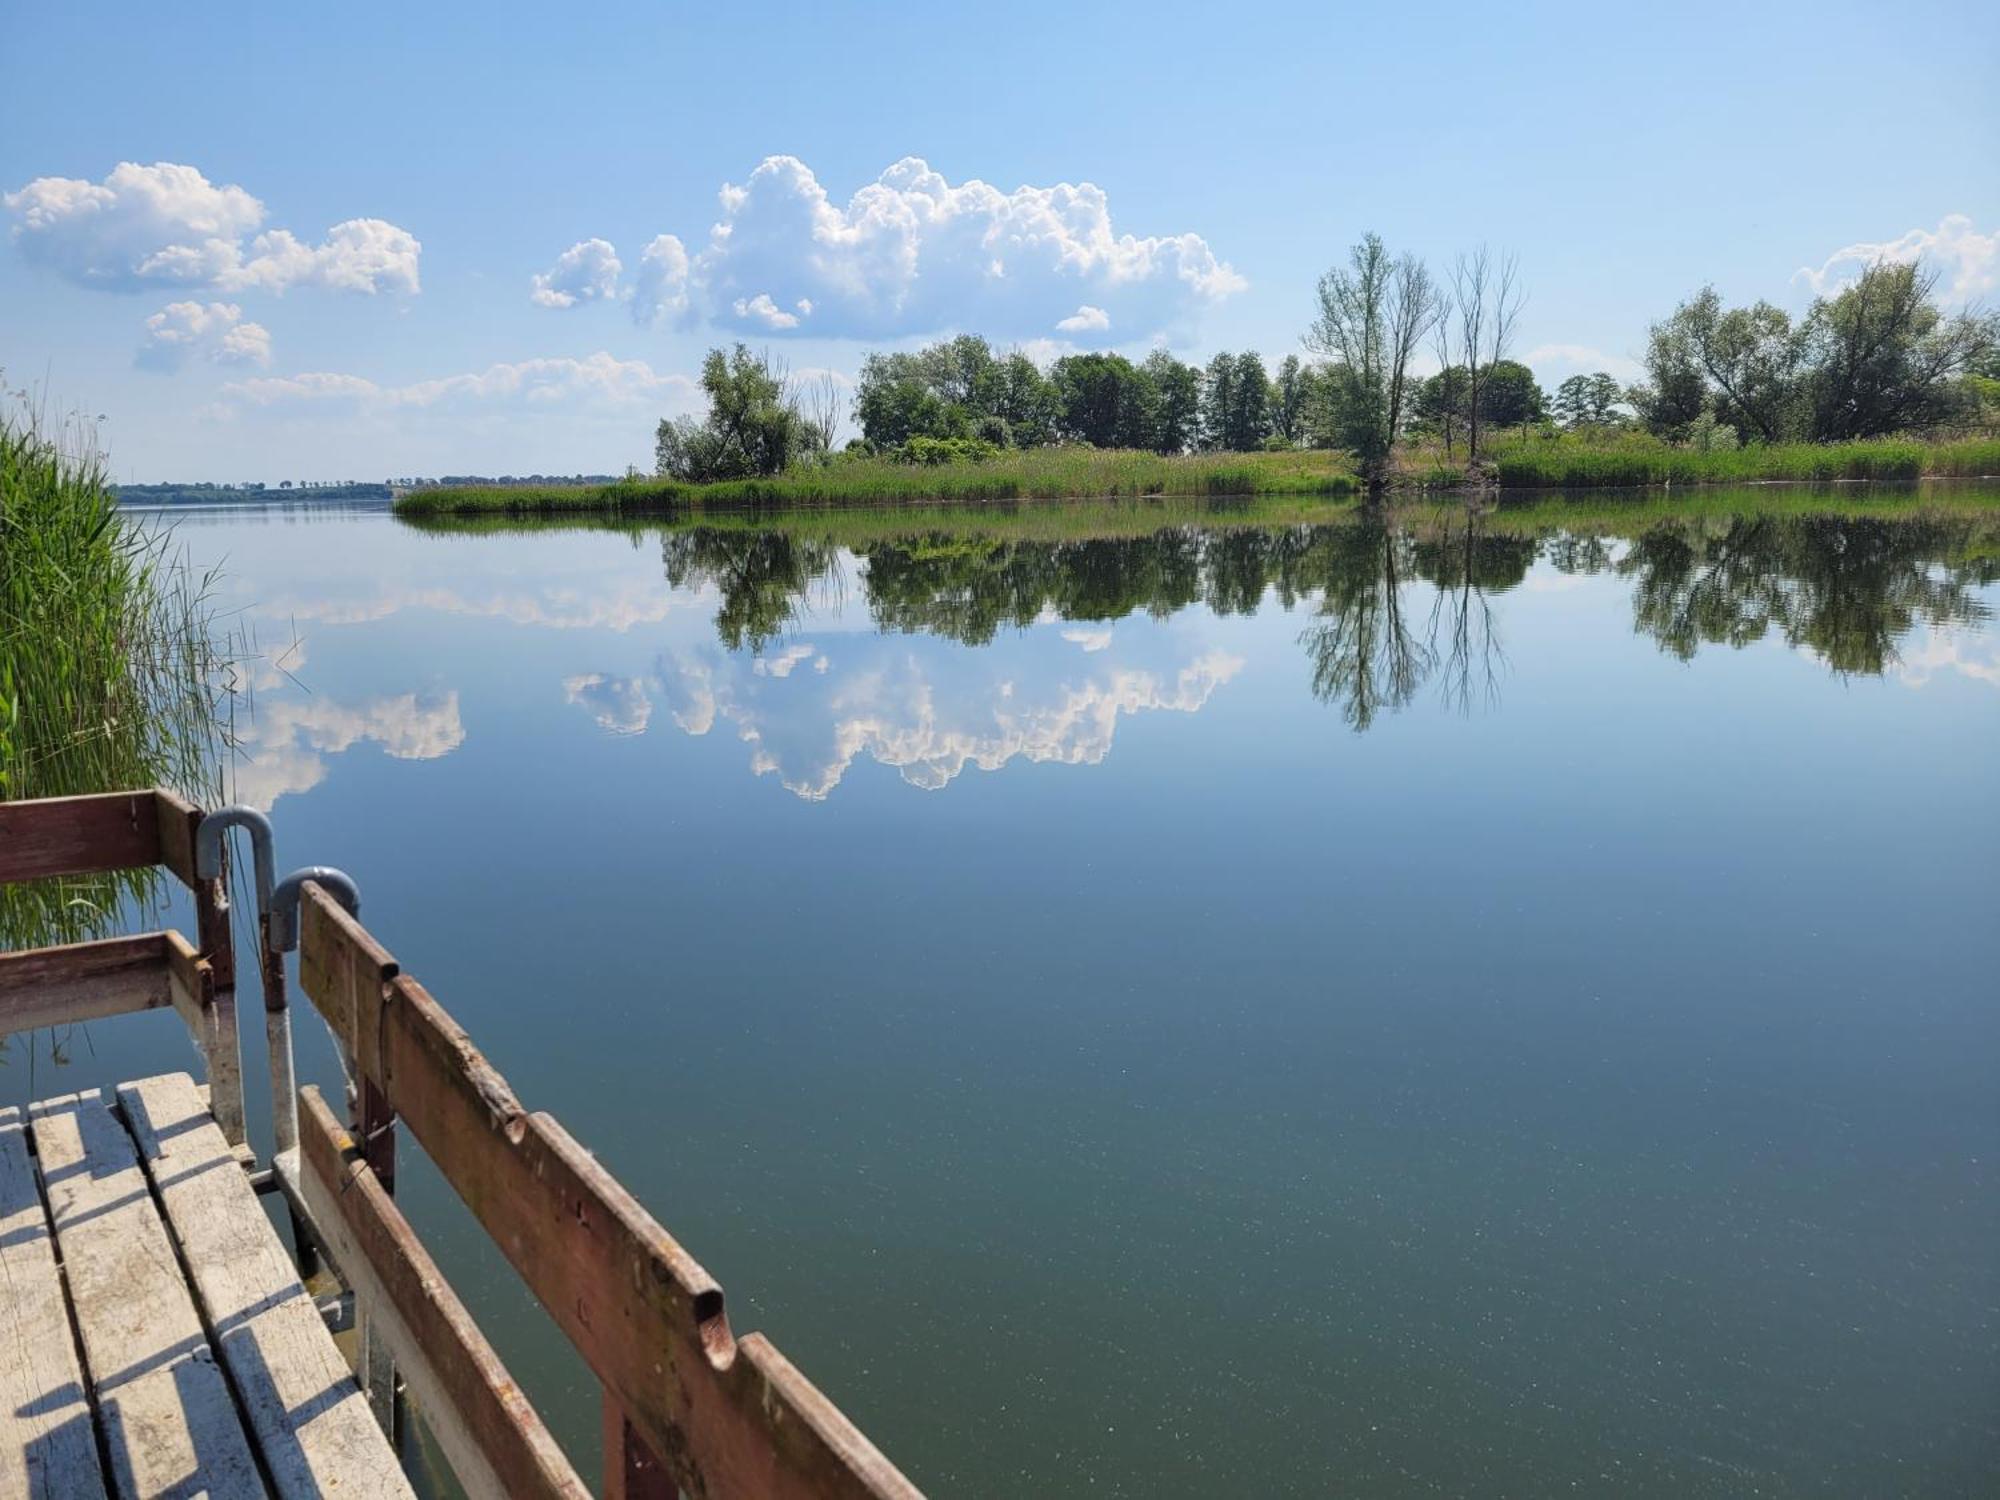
1968,261
761,309
660,288
168,225
913,253
586,272
214,331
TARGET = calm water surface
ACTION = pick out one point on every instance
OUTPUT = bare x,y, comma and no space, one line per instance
1478,1007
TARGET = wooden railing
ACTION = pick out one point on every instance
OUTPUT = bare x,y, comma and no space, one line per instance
61,836
688,1405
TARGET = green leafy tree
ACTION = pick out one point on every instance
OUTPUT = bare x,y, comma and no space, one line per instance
1509,395
1023,397
1249,421
1099,400
1373,313
1882,356
752,428
1287,402
1588,401
1177,409
1443,402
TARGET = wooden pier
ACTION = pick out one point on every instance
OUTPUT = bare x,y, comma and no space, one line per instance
156,1336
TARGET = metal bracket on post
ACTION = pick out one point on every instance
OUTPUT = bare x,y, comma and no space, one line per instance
284,934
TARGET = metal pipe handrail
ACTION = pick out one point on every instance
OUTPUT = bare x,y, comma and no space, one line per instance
284,931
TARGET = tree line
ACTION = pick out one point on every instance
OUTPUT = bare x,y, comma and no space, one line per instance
1876,358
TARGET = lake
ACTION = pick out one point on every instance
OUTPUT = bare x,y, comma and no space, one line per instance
1147,1000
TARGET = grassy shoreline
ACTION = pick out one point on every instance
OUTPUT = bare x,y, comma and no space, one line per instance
1108,474
1032,474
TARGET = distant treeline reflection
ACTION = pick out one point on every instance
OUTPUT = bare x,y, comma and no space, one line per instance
1847,588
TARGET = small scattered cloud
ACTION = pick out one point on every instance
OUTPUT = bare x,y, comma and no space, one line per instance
1968,261
168,225
761,309
213,331
1090,640
912,253
1086,319
620,705
586,272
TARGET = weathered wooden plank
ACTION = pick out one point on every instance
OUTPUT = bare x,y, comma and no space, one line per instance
726,1418
306,1414
209,1012
178,820
77,835
489,1432
632,1470
83,981
346,973
168,1423
47,1451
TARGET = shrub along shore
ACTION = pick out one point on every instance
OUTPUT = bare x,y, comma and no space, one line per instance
1093,473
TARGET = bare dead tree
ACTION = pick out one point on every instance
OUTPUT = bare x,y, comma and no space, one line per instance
1488,296
1414,307
1441,346
819,408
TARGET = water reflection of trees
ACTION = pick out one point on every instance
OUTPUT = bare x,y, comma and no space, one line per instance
1847,588
1392,603
764,577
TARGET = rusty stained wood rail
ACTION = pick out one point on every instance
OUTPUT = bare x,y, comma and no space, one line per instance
688,1403
689,1406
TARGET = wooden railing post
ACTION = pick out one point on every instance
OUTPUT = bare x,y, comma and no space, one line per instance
375,1129
632,1471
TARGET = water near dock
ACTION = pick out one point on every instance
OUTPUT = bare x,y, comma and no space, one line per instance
1498,1005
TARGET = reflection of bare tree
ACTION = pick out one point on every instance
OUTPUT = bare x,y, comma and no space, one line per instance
1365,656
1466,564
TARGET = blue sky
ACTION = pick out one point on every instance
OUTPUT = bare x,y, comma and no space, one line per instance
412,169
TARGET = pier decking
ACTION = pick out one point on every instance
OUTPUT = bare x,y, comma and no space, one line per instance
156,1337
130,1220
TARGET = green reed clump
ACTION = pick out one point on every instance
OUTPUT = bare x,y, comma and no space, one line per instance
1605,463
109,679
1026,474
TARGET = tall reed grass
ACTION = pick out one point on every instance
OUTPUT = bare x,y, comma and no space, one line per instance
109,676
1603,464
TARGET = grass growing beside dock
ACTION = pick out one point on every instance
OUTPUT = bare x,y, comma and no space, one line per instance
1026,474
108,676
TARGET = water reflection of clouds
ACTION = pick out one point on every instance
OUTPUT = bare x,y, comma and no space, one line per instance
924,708
618,605
1951,652
285,741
